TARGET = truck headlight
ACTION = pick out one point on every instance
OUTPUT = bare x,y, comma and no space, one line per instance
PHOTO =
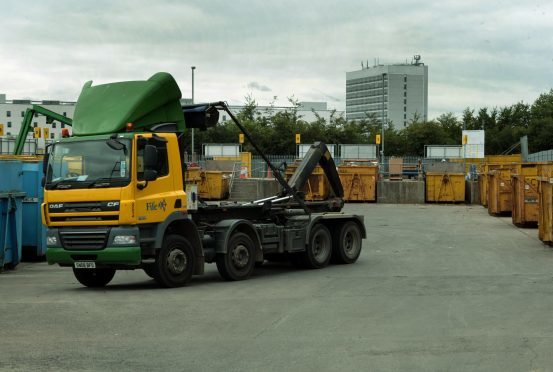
124,240
51,241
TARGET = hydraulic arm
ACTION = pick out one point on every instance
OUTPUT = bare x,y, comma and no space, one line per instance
51,116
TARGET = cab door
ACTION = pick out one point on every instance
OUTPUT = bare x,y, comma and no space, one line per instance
157,199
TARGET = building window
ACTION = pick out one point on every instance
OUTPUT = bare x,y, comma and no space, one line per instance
405,101
36,114
405,79
53,125
404,94
404,108
224,118
65,114
62,125
9,133
8,114
52,135
405,86
404,124
35,124
9,124
22,114
404,116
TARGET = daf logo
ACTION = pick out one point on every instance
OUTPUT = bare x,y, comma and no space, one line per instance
113,204
55,206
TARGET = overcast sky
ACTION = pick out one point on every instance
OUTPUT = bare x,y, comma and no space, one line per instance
479,53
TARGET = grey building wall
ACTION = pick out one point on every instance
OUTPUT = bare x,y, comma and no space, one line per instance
396,92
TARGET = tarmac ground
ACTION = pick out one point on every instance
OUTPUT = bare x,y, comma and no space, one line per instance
437,288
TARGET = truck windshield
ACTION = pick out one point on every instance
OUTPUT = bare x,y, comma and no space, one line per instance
89,164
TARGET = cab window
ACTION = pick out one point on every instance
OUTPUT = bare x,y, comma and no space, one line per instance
162,167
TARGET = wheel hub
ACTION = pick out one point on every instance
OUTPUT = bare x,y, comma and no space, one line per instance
240,256
177,261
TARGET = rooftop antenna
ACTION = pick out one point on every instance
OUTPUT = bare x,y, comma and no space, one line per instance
417,58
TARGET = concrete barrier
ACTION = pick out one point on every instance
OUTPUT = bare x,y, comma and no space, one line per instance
400,192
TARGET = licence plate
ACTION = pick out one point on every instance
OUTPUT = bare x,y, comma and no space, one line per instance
85,265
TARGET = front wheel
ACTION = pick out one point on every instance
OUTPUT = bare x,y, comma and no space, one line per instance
239,261
347,244
94,278
175,262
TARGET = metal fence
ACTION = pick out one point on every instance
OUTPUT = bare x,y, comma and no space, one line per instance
546,155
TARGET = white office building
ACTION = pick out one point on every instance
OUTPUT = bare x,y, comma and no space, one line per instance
391,93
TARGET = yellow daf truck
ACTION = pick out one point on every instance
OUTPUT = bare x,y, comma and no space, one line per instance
115,197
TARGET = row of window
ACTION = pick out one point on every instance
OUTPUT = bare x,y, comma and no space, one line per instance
365,101
9,114
52,135
367,87
365,80
35,124
371,108
366,94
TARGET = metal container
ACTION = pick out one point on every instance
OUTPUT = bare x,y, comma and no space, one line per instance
11,199
545,215
10,175
34,232
317,186
524,181
359,182
500,199
483,184
214,185
445,187
192,176
11,217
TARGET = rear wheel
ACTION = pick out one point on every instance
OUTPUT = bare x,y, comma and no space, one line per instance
347,244
239,261
319,250
175,262
94,278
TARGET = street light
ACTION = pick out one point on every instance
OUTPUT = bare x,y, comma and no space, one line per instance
193,68
383,120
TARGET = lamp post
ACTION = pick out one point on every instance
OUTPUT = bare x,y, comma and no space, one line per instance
383,120
193,151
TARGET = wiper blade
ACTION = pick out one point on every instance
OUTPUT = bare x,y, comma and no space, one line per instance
100,182
65,183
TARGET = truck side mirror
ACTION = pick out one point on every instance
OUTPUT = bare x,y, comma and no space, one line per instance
150,175
150,157
45,163
150,163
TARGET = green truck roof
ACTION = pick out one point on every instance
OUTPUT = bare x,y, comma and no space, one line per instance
107,108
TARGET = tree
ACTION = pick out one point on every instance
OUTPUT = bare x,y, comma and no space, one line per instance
540,128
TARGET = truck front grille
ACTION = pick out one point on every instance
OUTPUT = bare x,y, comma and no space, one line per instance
84,239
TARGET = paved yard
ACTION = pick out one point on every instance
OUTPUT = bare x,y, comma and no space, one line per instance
436,288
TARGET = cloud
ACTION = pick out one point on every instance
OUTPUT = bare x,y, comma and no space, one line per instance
256,86
478,53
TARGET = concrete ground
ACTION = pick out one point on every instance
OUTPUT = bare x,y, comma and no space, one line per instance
436,288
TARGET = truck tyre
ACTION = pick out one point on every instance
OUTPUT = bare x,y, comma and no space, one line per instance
319,249
174,262
239,261
347,244
94,278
